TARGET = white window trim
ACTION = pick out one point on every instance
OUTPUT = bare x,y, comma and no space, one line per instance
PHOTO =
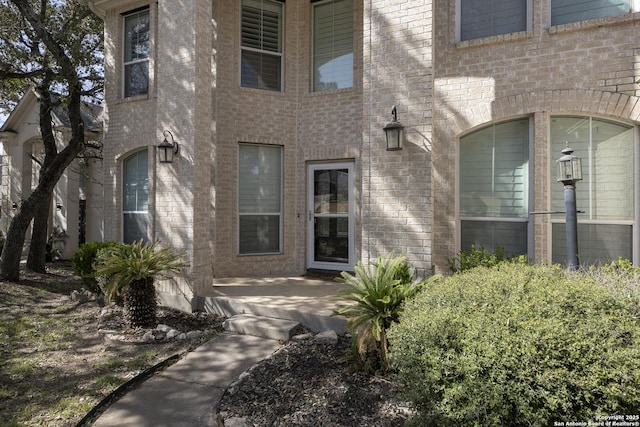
135,61
530,193
313,65
458,23
122,182
280,250
280,54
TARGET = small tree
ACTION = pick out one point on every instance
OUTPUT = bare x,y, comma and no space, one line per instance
131,270
374,297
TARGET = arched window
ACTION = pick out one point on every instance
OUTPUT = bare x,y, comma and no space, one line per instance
135,197
494,187
606,194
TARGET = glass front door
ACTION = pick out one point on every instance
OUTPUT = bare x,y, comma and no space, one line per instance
330,216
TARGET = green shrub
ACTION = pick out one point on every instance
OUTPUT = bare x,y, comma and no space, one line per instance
481,257
131,270
83,261
517,345
374,298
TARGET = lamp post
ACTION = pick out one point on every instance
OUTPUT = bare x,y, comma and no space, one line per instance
569,172
393,130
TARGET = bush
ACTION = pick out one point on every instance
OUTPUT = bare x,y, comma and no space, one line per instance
481,257
131,271
83,262
374,298
517,345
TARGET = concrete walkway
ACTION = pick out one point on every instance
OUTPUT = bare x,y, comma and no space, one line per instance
188,392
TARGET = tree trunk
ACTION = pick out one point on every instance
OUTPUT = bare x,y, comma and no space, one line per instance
14,244
140,303
37,258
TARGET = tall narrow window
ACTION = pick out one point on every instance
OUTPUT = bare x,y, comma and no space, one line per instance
136,53
135,197
606,194
333,45
260,198
494,187
565,11
486,18
261,44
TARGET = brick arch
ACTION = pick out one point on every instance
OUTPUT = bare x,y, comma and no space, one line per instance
583,101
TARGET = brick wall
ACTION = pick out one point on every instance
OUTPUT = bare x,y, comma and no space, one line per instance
583,68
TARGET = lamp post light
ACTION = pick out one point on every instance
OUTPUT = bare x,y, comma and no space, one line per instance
167,149
394,130
570,172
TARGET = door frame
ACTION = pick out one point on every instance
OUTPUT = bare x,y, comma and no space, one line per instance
311,215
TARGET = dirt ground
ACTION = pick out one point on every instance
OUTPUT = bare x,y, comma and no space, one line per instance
54,364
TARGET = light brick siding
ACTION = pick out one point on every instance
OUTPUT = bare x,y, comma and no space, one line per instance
405,54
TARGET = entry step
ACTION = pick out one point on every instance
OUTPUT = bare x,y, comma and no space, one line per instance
261,326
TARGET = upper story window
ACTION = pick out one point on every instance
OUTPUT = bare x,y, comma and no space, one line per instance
486,18
332,45
261,44
566,11
136,53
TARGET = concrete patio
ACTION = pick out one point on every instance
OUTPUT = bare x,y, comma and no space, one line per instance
305,299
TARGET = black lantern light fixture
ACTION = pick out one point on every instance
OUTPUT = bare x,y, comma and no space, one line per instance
167,149
570,172
394,132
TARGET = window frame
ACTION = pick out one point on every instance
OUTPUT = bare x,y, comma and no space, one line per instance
587,218
313,46
458,23
123,175
280,54
634,5
280,214
529,182
125,16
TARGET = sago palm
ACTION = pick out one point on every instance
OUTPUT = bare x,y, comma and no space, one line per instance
374,298
131,270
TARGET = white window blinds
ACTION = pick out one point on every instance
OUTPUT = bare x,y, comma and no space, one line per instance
333,45
485,18
494,171
565,11
261,40
259,198
135,203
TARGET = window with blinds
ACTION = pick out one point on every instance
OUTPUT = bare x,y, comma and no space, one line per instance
136,53
332,45
606,193
135,197
260,198
494,187
566,11
486,18
261,44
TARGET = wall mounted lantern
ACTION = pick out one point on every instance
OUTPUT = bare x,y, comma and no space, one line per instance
14,206
58,207
394,132
569,172
167,149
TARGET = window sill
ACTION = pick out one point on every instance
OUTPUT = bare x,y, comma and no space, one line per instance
332,92
133,99
262,91
594,23
501,38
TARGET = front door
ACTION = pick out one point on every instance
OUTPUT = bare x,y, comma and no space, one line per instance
330,216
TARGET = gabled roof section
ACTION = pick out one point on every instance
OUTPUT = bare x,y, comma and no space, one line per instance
91,114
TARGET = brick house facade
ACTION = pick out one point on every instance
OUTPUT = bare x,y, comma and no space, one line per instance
461,81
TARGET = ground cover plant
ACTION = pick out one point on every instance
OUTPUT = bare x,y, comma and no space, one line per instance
520,345
54,365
